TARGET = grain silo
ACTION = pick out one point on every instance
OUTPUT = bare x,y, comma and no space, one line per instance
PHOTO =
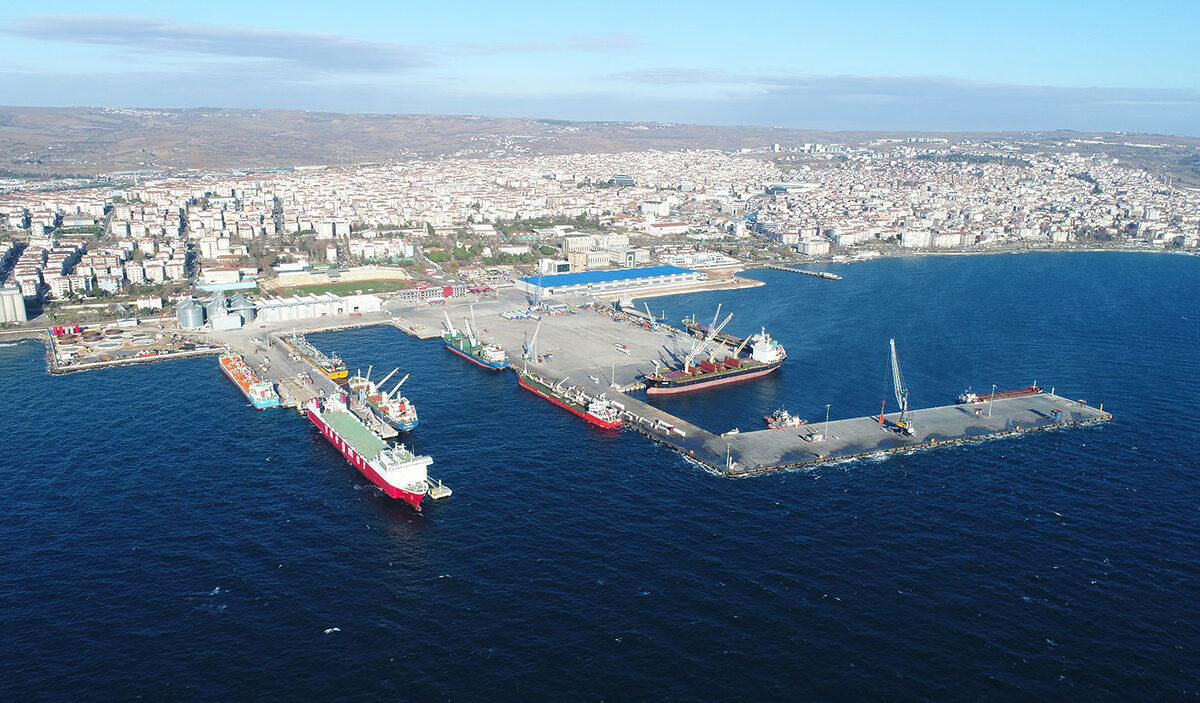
189,314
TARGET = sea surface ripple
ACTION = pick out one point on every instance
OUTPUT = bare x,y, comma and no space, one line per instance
162,539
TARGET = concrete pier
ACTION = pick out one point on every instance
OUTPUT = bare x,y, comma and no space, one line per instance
806,272
583,347
766,450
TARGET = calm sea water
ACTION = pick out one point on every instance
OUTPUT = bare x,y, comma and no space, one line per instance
161,539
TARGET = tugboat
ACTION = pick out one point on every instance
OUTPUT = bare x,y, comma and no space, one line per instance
781,419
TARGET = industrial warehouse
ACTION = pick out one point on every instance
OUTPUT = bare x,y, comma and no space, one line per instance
617,282
238,311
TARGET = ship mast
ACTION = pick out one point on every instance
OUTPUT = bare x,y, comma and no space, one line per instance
901,391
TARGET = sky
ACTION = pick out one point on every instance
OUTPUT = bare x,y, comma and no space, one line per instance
846,65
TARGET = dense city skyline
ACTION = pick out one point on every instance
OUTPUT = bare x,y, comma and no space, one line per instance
865,65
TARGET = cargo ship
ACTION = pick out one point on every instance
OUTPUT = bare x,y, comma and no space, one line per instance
781,419
393,408
398,471
766,355
968,397
260,393
468,344
331,365
598,411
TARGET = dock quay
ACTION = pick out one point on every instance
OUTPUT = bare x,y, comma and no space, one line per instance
294,393
759,451
598,349
438,490
806,272
747,453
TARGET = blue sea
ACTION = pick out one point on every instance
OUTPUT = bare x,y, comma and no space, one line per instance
163,540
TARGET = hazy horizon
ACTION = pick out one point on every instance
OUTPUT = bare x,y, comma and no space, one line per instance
861,66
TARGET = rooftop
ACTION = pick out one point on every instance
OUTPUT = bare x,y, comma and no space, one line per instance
585,277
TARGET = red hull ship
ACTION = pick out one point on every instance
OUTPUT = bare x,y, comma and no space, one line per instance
597,411
400,473
968,397
766,355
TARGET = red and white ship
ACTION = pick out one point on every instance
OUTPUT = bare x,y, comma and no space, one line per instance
781,419
599,411
398,471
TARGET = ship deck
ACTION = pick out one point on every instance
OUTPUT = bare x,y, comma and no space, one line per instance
355,434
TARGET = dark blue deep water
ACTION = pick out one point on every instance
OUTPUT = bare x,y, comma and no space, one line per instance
161,539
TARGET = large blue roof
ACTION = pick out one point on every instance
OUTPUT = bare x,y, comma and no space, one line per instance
585,277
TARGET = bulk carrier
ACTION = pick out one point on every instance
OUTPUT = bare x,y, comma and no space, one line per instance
395,409
398,471
261,394
467,343
598,411
331,365
766,355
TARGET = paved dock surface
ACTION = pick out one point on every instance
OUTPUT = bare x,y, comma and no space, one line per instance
765,450
583,348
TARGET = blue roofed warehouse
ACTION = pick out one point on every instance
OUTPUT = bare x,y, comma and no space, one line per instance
608,282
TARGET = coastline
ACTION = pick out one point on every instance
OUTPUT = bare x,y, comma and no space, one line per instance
987,252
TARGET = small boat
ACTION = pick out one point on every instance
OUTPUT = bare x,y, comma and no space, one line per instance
782,418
